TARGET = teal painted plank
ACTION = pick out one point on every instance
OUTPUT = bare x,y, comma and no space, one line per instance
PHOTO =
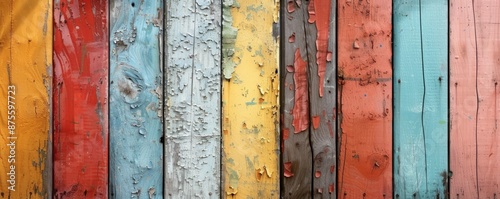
420,98
192,103
136,148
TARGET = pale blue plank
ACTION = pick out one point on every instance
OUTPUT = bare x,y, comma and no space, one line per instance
420,98
192,98
136,148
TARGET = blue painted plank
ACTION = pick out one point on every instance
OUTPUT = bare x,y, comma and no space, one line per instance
420,98
136,148
192,103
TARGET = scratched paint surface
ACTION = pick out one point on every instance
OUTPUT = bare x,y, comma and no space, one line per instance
474,101
250,99
80,99
421,98
309,100
26,71
364,94
136,149
192,114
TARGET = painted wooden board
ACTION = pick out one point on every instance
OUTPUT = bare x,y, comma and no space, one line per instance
25,87
250,99
474,101
80,99
136,84
365,99
420,98
309,99
192,111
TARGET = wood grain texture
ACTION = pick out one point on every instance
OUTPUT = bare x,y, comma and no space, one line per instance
25,87
474,101
250,99
80,99
136,96
365,99
420,98
309,99
192,113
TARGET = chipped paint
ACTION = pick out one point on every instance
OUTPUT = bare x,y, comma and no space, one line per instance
136,148
26,65
301,104
250,131
80,71
229,34
192,90
365,99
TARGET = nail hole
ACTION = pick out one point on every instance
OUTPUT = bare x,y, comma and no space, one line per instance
133,4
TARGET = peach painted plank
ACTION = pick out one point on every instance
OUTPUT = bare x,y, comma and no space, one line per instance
474,103
365,99
25,99
80,99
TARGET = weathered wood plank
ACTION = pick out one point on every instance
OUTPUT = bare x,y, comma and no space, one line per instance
296,148
136,84
321,42
25,84
309,99
364,94
474,112
80,99
250,99
421,98
192,114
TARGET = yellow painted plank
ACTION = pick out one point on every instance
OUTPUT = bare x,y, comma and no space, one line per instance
250,99
25,79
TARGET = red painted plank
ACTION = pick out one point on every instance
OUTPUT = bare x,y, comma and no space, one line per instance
80,99
474,101
365,94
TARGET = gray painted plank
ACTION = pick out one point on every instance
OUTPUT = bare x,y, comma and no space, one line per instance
192,99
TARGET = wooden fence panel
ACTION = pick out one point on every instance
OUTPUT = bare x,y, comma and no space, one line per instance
250,99
25,84
365,99
136,96
421,99
474,111
80,97
309,99
192,112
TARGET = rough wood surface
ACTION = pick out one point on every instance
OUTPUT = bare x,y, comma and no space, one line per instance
136,96
365,99
250,99
309,99
420,98
80,99
25,87
474,101
192,112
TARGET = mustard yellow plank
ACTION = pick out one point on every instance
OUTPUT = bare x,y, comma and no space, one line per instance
250,99
25,79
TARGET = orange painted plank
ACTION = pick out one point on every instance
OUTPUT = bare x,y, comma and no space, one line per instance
80,99
364,94
474,99
25,87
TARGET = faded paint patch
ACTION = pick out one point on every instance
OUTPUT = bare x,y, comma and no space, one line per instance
301,101
229,34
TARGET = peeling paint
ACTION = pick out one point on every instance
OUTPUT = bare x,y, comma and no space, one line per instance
229,34
301,104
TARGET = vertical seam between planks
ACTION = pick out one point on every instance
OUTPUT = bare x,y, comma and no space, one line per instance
221,104
424,92
447,186
477,95
282,101
311,192
163,70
